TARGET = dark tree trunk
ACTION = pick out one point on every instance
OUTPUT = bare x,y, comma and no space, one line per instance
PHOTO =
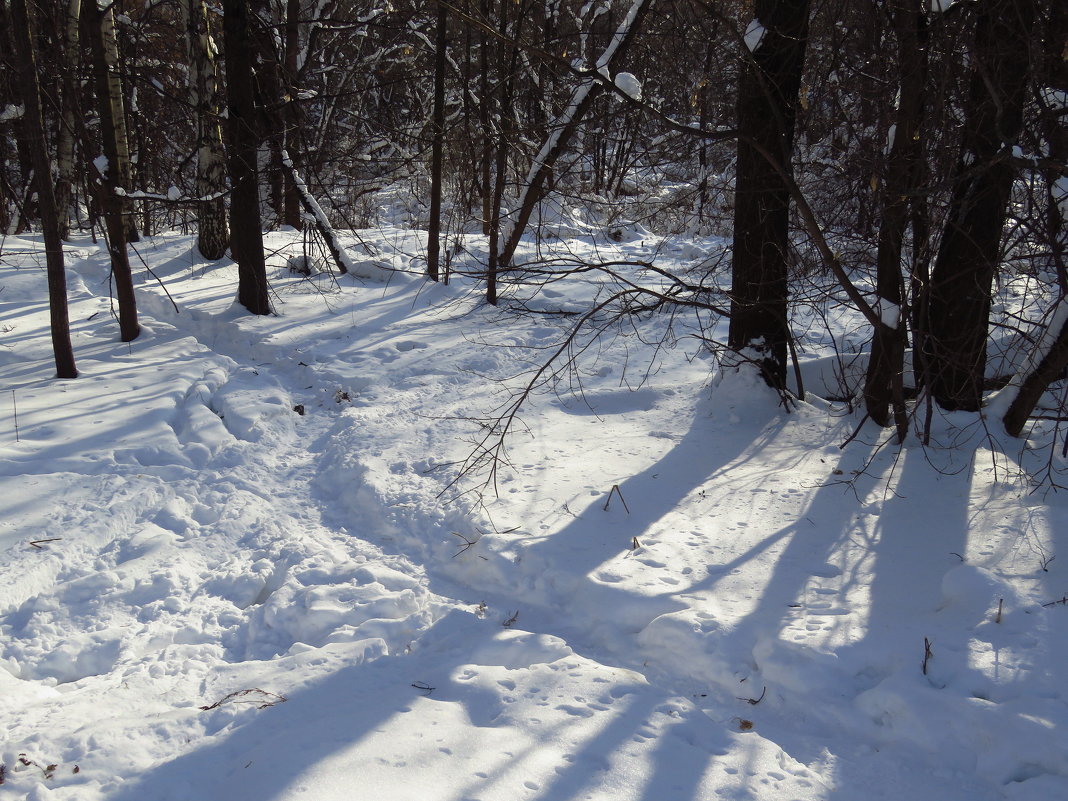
1046,367
22,30
267,94
65,139
22,203
291,115
433,244
116,208
246,236
767,105
883,386
959,302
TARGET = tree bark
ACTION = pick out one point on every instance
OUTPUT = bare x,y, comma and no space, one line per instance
105,38
213,236
883,386
69,110
766,107
33,123
959,301
1046,365
567,124
291,115
245,225
433,244
117,217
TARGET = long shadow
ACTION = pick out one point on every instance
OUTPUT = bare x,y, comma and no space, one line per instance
891,545
268,753
566,562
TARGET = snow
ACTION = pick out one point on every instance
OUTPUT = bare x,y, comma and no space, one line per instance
12,112
628,84
754,35
889,312
235,567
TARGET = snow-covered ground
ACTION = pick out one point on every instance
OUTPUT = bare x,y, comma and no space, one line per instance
681,590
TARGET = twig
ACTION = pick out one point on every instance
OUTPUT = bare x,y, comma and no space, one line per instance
511,621
15,408
467,543
422,685
158,280
1063,602
278,699
755,701
926,654
1001,606
617,491
38,544
856,431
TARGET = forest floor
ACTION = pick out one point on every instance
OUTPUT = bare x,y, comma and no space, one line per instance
237,563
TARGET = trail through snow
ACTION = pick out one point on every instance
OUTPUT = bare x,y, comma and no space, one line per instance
234,567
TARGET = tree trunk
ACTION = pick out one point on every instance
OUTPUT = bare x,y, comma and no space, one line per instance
767,104
1045,365
959,303
433,244
117,218
567,124
213,236
883,386
267,97
69,105
22,205
291,115
22,30
245,225
105,38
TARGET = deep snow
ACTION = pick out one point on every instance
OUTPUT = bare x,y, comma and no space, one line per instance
682,591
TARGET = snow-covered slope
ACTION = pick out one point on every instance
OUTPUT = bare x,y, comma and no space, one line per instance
235,565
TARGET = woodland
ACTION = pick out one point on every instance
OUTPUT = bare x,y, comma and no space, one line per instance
564,400
912,152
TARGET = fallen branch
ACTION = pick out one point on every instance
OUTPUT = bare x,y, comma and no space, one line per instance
311,205
267,699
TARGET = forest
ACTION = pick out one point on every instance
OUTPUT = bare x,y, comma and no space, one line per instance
912,153
563,400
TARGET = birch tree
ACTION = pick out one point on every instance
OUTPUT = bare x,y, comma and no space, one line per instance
213,235
114,167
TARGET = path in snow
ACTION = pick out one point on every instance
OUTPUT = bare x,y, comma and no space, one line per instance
205,539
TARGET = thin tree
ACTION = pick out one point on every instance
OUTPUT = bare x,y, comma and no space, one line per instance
883,387
213,235
33,123
246,235
65,138
954,348
766,109
441,43
569,122
100,27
